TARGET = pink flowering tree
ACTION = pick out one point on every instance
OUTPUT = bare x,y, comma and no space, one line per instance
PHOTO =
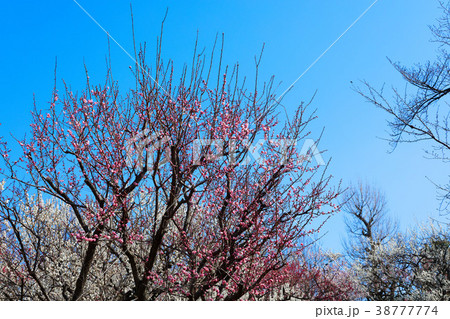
186,191
315,275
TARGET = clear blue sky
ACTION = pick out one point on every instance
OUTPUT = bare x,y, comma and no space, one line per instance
33,33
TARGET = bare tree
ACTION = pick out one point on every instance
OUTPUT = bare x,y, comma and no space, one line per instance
421,112
367,218
369,227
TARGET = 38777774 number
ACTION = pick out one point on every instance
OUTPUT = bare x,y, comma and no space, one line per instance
406,310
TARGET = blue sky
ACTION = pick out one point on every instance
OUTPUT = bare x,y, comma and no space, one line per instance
295,33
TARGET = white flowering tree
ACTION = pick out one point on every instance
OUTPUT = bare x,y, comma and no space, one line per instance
40,257
428,253
414,266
